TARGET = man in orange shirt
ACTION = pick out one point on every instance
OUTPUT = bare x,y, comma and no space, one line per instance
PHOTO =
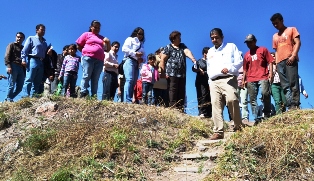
287,44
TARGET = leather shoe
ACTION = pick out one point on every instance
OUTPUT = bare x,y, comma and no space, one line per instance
217,136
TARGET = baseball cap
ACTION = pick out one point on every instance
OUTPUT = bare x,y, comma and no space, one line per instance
250,37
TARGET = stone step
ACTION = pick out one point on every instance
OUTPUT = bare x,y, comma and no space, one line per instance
211,156
209,142
190,169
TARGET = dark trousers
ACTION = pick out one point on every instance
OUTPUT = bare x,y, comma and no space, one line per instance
177,92
203,98
110,85
161,97
289,80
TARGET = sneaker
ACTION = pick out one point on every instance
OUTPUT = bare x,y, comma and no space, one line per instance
217,136
257,121
83,94
202,116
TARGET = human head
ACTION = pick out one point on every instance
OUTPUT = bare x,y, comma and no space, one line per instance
151,59
65,50
94,27
277,21
19,38
40,30
216,36
205,51
175,36
115,46
250,41
72,49
139,33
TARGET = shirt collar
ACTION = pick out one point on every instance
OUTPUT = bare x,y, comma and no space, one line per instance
38,37
219,48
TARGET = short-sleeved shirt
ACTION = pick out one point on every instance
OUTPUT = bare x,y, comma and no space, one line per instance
92,45
255,63
284,43
176,63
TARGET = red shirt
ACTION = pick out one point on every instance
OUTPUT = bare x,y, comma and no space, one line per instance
255,63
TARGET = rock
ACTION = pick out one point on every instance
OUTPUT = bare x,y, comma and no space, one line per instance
47,107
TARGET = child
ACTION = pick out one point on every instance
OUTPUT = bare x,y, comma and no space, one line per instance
150,75
69,70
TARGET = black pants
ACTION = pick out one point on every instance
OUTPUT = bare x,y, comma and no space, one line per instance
203,98
110,85
177,92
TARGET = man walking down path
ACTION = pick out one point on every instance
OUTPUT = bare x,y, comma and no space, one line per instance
15,69
258,73
287,43
223,62
32,55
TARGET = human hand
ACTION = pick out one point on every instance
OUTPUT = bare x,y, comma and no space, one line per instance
23,64
306,95
224,71
9,70
270,78
291,60
116,65
138,54
49,52
202,71
140,60
59,78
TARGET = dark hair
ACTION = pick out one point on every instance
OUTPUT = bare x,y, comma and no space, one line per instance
276,16
151,56
39,25
115,42
273,53
20,34
216,30
65,47
159,50
173,35
135,31
92,24
205,50
74,46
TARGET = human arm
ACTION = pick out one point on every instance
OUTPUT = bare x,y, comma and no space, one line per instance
189,54
81,41
107,44
7,58
162,65
63,68
108,61
295,51
302,90
26,49
237,61
127,48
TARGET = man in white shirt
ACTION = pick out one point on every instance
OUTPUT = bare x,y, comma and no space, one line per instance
223,62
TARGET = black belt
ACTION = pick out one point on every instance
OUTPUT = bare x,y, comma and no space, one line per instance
132,58
30,56
222,77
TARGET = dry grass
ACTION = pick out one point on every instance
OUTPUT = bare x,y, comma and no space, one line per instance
281,148
98,140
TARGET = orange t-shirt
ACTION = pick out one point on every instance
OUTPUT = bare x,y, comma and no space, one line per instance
284,43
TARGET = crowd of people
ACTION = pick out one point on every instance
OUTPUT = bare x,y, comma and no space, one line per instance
224,76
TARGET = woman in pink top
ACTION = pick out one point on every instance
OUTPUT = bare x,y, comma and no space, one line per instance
92,45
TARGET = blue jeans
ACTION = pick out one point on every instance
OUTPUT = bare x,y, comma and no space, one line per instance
289,80
253,88
91,72
15,79
131,70
34,76
69,80
147,94
110,85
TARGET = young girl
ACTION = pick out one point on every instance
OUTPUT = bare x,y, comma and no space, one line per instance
69,70
150,75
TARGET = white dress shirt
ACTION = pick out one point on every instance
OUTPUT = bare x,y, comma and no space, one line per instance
131,44
110,59
226,56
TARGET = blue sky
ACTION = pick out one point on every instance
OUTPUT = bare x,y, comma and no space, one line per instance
65,21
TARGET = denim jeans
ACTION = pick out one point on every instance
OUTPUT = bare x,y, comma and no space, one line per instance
147,94
131,70
15,80
289,80
69,80
110,84
92,69
34,76
253,88
243,94
279,98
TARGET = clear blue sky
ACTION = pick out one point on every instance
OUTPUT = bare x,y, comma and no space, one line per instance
65,21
